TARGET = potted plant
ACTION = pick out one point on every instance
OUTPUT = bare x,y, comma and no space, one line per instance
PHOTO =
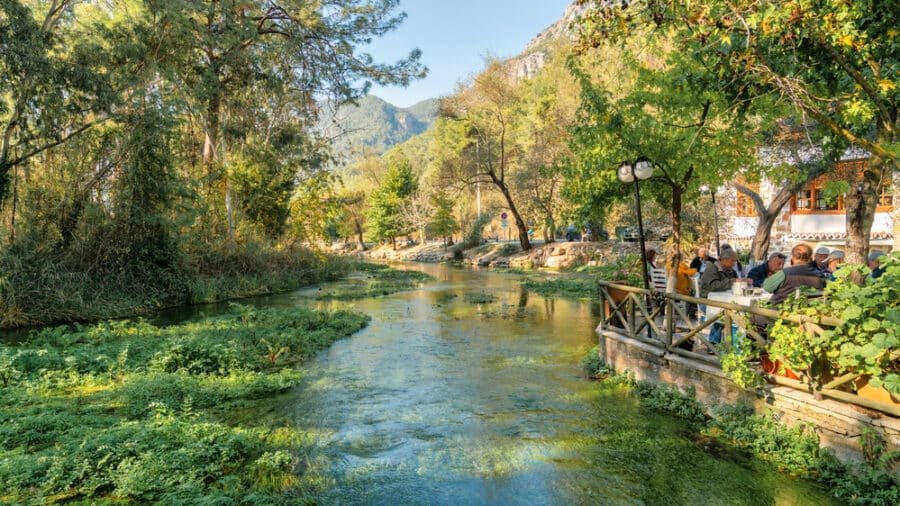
867,342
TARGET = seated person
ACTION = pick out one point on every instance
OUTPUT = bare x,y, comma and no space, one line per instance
718,277
874,262
820,260
762,271
802,273
699,261
833,263
738,268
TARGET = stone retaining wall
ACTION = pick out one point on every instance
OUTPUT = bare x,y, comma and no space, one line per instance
839,424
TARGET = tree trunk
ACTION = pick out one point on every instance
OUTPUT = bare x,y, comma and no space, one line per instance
6,148
860,203
359,234
15,205
759,248
550,230
229,212
674,260
520,223
211,135
762,237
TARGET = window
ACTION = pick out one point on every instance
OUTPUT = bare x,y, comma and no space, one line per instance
811,199
803,200
886,199
744,205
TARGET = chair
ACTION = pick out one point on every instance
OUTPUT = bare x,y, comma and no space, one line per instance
658,279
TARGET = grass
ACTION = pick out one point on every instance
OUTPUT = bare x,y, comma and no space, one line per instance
479,297
581,282
375,281
568,287
125,411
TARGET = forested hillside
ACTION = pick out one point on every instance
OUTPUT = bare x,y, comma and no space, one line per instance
372,126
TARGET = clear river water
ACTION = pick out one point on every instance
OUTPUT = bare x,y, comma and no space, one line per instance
441,401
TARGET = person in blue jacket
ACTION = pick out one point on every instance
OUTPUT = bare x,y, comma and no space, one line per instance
762,271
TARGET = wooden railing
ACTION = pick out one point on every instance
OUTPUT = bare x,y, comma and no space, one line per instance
661,320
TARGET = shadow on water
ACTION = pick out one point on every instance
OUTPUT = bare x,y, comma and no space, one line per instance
441,401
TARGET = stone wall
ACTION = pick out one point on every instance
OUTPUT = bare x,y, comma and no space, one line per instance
839,424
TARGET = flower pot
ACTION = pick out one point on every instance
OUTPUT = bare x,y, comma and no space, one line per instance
879,394
770,367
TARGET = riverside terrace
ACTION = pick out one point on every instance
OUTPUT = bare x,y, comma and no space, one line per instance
646,332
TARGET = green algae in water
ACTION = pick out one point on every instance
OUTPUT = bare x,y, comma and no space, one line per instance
374,281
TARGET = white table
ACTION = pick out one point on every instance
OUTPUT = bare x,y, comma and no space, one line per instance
730,297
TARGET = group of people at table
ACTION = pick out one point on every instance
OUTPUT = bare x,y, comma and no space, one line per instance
808,268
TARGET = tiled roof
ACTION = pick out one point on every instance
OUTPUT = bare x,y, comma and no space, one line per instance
831,236
811,236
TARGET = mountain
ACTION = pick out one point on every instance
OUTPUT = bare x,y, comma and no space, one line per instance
374,126
527,64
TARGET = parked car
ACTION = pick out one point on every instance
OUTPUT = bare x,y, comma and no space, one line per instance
631,234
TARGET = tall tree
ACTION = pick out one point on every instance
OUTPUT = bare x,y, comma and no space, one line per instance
485,111
310,49
385,217
834,60
674,116
52,81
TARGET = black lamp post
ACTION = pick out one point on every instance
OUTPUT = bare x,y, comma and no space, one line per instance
712,193
629,172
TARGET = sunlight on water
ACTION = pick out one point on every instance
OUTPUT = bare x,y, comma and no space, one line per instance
444,401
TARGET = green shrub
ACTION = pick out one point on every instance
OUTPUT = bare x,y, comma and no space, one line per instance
592,365
575,288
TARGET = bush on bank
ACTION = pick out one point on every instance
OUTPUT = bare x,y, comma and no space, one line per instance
128,411
40,287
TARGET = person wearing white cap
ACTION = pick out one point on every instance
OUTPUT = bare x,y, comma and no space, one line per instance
821,258
834,262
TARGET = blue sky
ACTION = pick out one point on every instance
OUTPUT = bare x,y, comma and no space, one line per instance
455,35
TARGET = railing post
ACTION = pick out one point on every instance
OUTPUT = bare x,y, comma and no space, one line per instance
670,322
726,332
632,321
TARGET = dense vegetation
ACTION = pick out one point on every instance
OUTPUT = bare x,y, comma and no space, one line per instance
372,126
128,411
794,449
709,92
156,153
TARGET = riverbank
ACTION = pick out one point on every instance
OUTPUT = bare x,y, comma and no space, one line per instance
555,256
36,292
733,430
129,411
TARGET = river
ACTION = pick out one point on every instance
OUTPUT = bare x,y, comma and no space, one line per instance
441,401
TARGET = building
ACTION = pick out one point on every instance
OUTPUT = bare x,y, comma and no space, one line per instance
810,216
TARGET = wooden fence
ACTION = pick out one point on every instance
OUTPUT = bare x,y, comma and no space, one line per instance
661,320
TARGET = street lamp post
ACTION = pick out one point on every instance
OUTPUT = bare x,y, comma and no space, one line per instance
634,172
712,193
